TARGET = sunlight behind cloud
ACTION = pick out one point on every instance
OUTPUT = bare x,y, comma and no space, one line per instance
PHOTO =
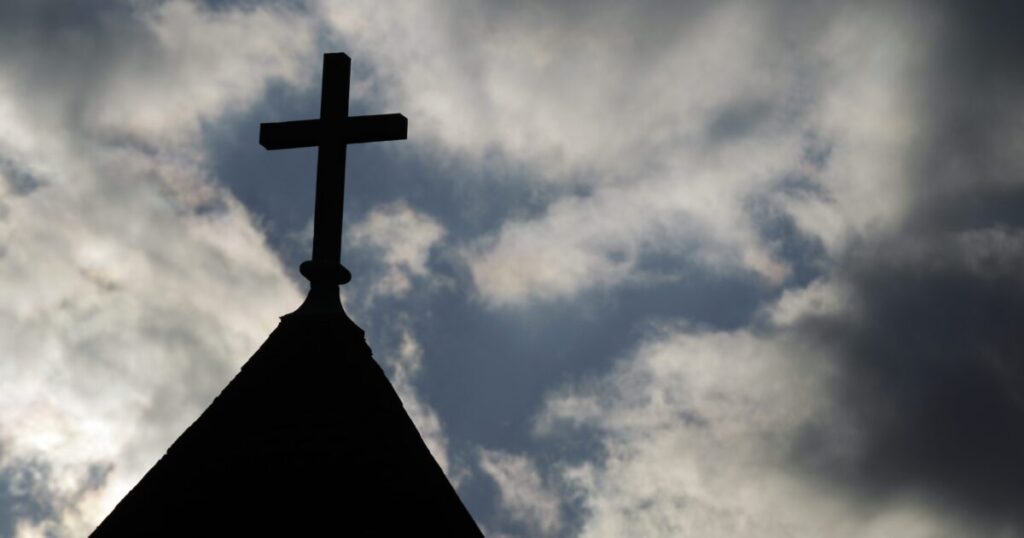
136,284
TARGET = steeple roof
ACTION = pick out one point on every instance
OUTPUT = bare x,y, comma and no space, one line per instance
309,438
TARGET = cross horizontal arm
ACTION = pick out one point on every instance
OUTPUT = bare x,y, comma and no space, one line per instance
290,134
352,130
375,128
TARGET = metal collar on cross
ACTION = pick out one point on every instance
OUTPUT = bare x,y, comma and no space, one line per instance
331,134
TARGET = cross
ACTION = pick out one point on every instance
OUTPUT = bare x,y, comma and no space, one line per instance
331,134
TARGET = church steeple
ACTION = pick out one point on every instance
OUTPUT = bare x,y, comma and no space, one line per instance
310,438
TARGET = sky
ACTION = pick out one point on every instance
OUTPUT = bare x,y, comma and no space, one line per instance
646,269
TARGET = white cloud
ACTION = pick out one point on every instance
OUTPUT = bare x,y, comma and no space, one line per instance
522,493
576,105
676,121
134,286
821,297
403,239
872,72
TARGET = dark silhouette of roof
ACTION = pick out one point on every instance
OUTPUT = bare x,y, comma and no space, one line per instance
309,438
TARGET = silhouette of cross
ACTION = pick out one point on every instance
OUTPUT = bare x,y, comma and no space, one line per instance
331,133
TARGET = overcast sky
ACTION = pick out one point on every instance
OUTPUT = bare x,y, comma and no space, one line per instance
702,269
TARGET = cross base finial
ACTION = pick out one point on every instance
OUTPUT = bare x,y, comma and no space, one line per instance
326,272
324,279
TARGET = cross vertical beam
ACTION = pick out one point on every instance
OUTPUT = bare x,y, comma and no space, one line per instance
329,207
331,134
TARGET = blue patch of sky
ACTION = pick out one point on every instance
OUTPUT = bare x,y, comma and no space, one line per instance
19,181
804,254
22,496
505,361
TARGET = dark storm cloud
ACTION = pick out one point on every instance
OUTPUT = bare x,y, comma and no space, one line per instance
61,52
932,372
971,171
933,359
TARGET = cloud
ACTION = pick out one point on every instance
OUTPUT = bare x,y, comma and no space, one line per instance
884,397
879,392
403,239
400,240
659,131
134,285
647,197
930,369
927,341
523,496
699,433
878,395
404,364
